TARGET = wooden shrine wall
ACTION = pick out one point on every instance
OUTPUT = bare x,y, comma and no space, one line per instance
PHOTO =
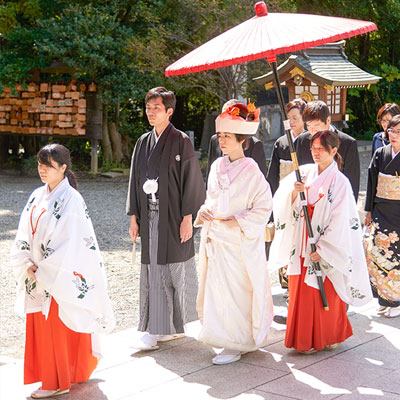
51,109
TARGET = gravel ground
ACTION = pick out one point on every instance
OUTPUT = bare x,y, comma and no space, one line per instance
105,199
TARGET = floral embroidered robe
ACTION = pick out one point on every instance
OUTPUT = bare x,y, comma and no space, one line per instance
384,245
56,234
234,301
337,231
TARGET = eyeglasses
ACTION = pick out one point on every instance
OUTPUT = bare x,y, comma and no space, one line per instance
319,126
384,121
393,131
317,149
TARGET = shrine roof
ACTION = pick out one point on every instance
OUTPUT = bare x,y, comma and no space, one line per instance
324,65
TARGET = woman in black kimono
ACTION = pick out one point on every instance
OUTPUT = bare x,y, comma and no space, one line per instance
383,216
385,114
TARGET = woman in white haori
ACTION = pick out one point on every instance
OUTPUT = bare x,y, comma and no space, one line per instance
337,232
61,280
234,301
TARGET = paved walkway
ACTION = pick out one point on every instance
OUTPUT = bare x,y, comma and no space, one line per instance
366,366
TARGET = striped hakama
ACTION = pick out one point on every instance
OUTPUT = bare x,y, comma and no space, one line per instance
167,292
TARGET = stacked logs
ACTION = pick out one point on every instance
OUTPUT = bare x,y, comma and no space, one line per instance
44,109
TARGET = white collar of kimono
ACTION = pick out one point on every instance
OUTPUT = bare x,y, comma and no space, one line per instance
294,138
64,184
315,181
227,170
230,164
393,153
157,137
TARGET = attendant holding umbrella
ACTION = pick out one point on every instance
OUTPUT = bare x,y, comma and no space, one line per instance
339,251
281,163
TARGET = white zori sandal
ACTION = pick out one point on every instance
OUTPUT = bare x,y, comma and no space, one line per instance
226,357
146,343
392,312
382,310
44,394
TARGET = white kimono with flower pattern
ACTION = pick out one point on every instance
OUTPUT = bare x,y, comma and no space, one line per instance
336,228
234,301
56,234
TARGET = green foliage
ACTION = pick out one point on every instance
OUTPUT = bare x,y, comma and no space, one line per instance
377,53
124,46
107,166
91,40
29,165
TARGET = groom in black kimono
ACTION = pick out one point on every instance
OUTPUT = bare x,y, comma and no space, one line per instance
166,189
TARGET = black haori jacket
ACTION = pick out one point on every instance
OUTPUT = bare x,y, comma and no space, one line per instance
181,191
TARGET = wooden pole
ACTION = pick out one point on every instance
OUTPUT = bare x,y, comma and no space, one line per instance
303,200
94,161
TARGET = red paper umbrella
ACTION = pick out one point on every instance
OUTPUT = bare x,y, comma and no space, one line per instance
266,36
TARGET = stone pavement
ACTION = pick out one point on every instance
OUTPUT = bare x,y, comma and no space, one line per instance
366,366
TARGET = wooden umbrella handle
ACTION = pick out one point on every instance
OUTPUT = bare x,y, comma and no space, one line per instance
298,176
133,252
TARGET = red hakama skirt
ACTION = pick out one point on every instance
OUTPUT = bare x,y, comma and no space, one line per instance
54,354
308,324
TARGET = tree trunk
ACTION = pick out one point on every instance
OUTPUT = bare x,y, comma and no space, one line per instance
30,146
116,142
3,149
105,141
126,146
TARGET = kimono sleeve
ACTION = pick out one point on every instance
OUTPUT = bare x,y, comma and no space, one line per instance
72,271
193,191
252,221
286,218
373,172
132,206
273,169
20,256
341,250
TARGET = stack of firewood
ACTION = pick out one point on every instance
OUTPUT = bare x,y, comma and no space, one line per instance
44,109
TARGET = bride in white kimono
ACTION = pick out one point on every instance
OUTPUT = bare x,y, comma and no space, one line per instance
234,301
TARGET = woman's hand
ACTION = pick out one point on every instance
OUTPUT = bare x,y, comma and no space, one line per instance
368,219
315,257
31,272
298,188
206,215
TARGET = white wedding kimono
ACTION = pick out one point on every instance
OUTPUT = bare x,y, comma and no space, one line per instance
234,301
336,228
56,234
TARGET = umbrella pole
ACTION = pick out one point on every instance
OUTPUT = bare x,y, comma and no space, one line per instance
303,200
